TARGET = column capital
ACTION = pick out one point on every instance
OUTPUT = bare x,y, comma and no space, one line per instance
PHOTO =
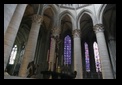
37,18
55,32
76,33
98,28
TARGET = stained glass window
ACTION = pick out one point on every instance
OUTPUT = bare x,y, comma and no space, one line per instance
97,58
67,50
87,58
13,54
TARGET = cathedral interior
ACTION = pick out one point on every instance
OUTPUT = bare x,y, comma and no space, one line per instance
59,41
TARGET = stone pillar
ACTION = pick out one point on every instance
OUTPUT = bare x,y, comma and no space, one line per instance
55,35
112,50
103,52
52,53
31,44
8,13
77,54
12,30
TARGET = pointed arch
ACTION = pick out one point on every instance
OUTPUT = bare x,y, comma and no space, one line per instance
52,7
50,12
64,13
100,12
84,11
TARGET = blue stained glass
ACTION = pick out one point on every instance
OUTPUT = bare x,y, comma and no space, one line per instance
67,50
87,58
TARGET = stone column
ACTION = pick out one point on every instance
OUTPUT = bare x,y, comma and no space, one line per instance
31,44
55,35
112,50
8,13
77,54
103,52
12,30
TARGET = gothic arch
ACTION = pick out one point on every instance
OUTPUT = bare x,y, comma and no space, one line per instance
64,13
35,8
53,8
51,15
87,11
100,12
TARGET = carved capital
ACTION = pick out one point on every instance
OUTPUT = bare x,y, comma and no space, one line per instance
56,32
98,28
76,33
37,19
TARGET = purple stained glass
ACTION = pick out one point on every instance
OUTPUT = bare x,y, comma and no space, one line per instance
67,50
87,58
97,58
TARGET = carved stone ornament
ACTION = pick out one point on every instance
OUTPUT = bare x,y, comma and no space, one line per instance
56,32
76,33
98,28
37,18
